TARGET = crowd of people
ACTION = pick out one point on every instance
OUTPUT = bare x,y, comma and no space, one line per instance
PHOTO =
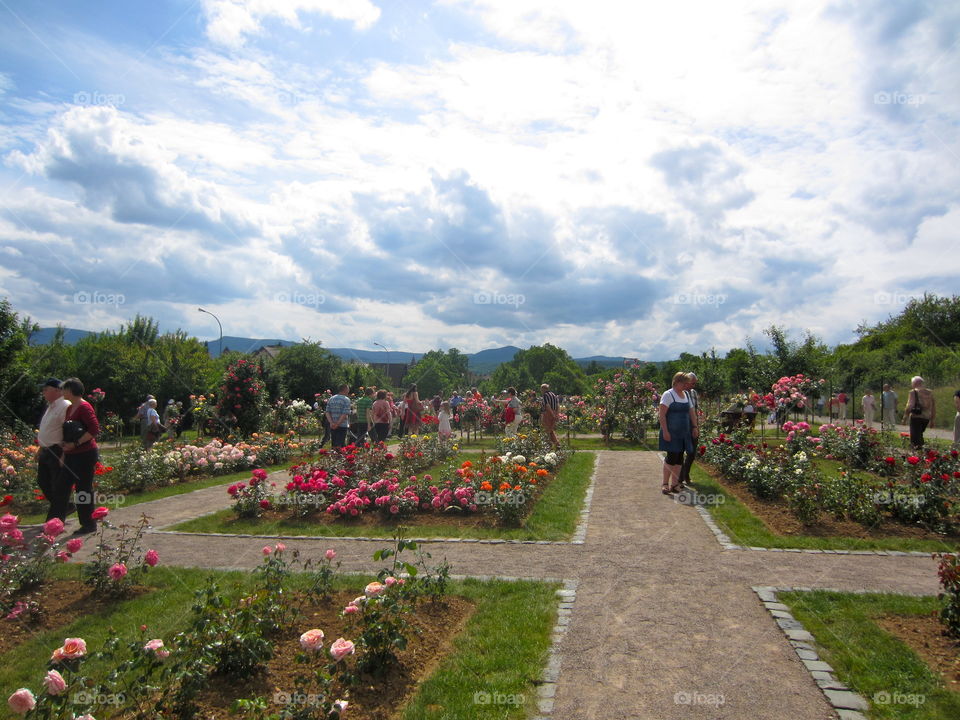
376,414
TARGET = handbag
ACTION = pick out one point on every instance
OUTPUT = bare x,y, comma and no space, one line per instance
509,414
73,430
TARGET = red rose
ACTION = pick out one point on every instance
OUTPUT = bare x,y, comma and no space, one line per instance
913,459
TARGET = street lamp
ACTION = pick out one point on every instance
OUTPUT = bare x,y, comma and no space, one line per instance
388,359
220,343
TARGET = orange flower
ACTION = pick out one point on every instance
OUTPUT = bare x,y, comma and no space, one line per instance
486,486
541,472
466,464
517,487
504,486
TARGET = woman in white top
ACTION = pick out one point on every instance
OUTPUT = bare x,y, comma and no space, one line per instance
678,428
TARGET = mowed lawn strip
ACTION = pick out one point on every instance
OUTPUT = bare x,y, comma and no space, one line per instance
554,516
745,528
888,674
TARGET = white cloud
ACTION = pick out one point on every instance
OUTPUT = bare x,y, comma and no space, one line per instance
229,22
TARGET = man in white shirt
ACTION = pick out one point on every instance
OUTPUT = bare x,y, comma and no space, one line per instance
50,438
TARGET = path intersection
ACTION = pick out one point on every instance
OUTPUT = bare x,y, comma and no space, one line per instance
663,622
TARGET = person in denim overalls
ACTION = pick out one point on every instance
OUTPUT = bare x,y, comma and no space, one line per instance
678,426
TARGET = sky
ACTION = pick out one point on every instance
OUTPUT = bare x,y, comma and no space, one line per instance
632,179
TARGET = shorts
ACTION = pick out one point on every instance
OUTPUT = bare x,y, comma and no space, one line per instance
674,457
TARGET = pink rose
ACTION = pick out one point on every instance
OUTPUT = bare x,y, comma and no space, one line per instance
390,581
72,648
374,589
280,547
54,682
63,556
340,649
351,610
53,527
312,640
117,571
100,513
151,558
8,521
330,554
22,701
157,648
267,550
74,545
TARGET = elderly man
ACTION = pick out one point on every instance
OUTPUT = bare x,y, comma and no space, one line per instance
549,414
50,440
338,415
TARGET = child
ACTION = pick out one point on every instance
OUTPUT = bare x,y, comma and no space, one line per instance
443,420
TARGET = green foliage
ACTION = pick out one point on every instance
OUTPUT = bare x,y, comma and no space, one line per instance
539,364
438,372
304,370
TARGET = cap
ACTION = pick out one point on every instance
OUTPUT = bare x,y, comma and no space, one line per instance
52,382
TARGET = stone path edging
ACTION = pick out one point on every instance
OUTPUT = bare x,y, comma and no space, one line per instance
848,704
727,544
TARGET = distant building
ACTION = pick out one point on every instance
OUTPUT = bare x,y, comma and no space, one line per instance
268,351
395,371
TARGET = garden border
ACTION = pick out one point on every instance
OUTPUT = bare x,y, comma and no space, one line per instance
847,703
579,536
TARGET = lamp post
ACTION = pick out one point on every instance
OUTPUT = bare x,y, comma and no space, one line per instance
388,359
220,342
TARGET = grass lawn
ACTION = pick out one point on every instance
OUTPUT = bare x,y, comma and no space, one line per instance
554,516
167,491
577,443
501,650
868,658
745,528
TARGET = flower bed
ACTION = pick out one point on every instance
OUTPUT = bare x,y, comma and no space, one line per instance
877,484
354,481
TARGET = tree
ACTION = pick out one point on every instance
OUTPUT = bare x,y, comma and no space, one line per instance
18,392
538,364
304,370
438,372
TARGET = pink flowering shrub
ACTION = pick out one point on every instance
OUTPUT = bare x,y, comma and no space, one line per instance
117,565
25,564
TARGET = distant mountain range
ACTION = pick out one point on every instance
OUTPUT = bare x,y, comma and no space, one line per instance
482,363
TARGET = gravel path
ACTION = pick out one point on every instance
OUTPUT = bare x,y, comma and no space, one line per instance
665,624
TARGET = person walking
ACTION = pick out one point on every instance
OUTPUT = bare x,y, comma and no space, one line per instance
80,455
413,411
364,423
694,398
443,421
888,399
842,406
338,416
677,430
154,426
549,414
50,440
511,411
920,412
869,404
381,416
